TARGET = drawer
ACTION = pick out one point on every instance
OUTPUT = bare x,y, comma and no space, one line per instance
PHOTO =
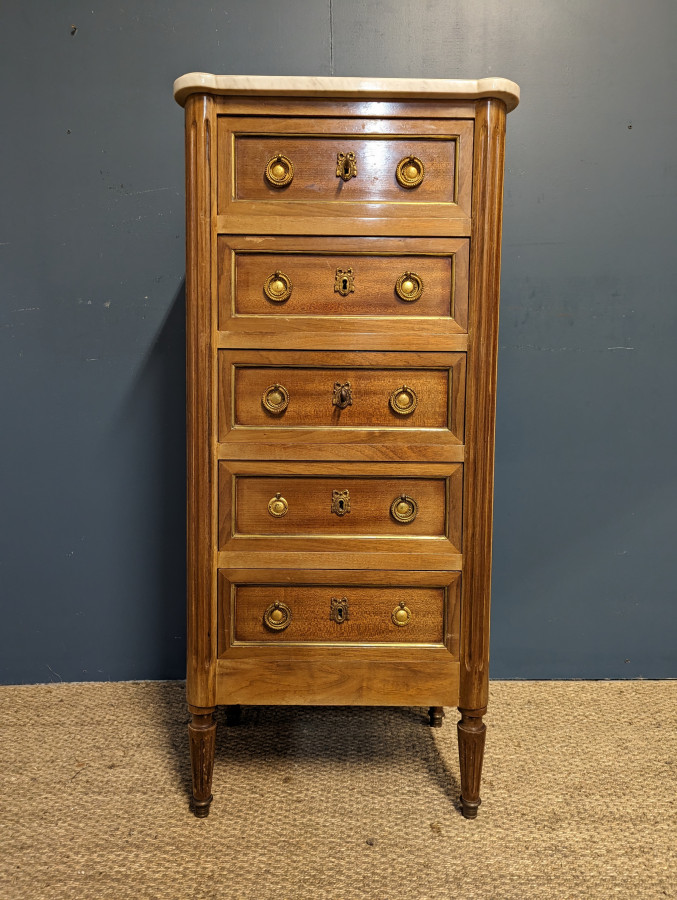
361,609
339,507
320,614
344,167
408,281
313,398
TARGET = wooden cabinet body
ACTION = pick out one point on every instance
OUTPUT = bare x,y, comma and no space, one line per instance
343,251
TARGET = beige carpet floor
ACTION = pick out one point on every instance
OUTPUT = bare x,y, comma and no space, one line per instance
579,798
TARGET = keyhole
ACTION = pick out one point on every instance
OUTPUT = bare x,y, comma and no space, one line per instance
339,613
340,503
346,168
344,284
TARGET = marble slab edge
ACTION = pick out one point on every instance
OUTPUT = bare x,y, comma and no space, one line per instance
333,86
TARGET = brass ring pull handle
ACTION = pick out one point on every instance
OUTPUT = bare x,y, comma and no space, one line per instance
343,395
279,171
403,401
401,615
346,165
278,506
409,172
404,509
278,287
277,616
275,399
409,286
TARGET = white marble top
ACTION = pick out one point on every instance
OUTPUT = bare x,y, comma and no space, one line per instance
356,88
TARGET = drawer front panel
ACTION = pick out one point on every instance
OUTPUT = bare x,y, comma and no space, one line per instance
344,167
314,160
354,403
314,396
344,610
317,286
338,614
363,506
273,285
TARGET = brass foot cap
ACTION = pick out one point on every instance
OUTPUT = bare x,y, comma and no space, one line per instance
201,808
469,808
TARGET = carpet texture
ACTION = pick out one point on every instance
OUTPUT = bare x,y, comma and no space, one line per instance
579,798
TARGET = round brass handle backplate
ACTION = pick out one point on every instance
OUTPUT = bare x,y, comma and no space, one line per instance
409,172
401,615
275,399
277,616
279,171
278,287
409,286
278,506
404,509
403,401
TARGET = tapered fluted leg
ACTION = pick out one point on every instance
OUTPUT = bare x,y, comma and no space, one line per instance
471,734
436,714
202,735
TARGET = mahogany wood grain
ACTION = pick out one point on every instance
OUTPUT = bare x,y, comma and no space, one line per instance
481,401
368,616
314,158
247,144
436,716
200,400
389,555
438,381
310,500
311,395
357,446
444,345
245,489
313,278
244,262
321,218
202,738
471,736
323,335
328,683
368,587
318,107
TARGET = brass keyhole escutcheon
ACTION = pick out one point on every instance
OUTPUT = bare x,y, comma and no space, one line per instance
340,502
277,616
279,171
403,401
339,610
343,395
409,172
278,506
346,165
344,282
278,287
275,399
401,614
404,509
409,286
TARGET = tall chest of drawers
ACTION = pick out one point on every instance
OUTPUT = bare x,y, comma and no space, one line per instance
342,280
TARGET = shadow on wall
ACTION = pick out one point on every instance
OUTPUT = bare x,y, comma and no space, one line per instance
158,394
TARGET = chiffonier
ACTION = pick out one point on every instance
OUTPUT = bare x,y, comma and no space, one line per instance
343,252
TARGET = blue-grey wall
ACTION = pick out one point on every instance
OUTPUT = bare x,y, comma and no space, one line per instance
92,304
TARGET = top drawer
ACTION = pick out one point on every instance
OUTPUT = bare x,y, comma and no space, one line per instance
381,168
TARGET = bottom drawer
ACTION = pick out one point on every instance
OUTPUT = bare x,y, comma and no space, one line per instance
362,609
319,613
